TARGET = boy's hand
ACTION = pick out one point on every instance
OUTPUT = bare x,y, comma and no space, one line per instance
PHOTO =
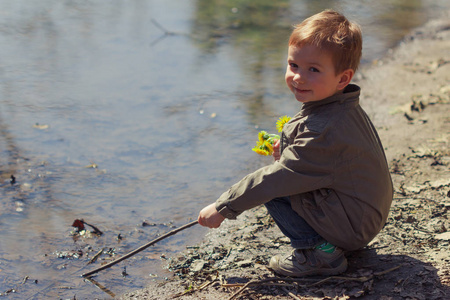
210,217
276,150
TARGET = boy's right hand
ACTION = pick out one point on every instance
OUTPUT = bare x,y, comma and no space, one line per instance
210,217
276,150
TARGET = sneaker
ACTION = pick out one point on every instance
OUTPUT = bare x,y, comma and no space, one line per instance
308,262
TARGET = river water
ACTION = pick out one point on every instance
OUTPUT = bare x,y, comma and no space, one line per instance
139,112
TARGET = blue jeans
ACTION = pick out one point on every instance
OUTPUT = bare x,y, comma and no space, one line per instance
293,226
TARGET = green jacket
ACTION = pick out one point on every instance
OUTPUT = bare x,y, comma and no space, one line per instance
332,167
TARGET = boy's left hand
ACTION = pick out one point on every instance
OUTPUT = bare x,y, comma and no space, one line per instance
276,150
210,217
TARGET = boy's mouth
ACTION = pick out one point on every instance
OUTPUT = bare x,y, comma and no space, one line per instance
298,89
301,90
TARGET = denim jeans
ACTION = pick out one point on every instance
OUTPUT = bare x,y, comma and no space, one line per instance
292,225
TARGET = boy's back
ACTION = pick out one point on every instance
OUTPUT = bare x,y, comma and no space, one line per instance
341,159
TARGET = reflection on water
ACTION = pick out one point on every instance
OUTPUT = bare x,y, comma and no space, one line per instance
164,97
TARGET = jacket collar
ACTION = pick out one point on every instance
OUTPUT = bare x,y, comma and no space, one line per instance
351,93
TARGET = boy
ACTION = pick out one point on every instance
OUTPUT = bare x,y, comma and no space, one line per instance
329,189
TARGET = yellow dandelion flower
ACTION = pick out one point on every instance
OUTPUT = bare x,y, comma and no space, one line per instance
281,121
260,151
259,144
262,136
264,145
269,147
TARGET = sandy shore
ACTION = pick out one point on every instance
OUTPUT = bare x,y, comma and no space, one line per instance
407,95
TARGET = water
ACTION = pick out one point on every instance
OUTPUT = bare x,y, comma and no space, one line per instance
165,98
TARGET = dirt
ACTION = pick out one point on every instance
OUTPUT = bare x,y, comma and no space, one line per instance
407,95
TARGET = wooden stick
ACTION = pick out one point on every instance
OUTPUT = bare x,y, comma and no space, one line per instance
103,288
140,249
290,294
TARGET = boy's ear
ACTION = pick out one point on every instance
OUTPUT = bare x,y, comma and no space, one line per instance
345,79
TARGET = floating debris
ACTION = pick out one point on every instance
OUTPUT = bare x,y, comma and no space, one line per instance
71,254
78,224
41,127
145,223
124,272
96,256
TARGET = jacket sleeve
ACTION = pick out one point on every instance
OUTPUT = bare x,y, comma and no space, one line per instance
302,167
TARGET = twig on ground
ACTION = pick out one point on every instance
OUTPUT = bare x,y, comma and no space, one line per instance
386,271
287,279
372,248
94,258
194,289
290,293
229,285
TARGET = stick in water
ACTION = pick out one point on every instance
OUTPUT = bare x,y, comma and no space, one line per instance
140,249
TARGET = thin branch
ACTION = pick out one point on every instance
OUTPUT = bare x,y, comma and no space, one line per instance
195,289
290,294
140,249
96,230
287,279
94,259
100,286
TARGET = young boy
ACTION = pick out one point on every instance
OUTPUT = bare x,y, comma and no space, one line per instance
329,189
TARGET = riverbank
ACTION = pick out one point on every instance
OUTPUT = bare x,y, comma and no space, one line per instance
407,95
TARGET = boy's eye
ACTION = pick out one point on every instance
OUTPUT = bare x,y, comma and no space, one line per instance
312,69
292,65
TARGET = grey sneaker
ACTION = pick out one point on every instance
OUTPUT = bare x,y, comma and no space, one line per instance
308,262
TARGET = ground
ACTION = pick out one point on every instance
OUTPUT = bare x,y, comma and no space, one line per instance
407,95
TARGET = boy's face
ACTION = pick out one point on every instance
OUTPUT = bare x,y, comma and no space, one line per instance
310,74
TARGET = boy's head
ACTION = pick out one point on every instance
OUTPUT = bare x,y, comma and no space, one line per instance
324,53
332,33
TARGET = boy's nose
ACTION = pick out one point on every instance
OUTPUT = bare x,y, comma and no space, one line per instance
298,77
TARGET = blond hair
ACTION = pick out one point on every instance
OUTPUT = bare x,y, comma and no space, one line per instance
330,31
